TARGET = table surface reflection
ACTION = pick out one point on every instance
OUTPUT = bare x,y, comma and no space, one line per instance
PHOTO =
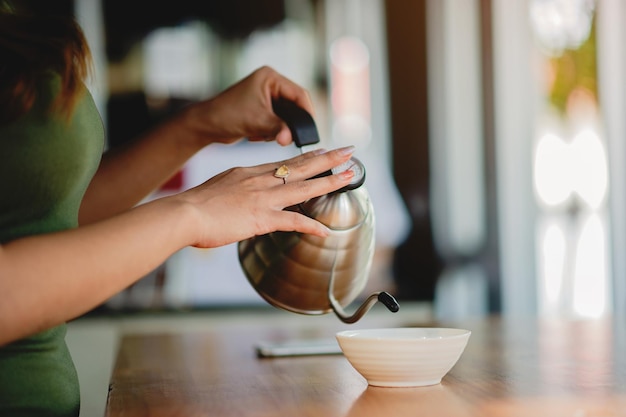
509,368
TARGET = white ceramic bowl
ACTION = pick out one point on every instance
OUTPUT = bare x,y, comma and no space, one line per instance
403,357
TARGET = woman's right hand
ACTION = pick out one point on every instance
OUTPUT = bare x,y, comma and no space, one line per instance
242,202
244,110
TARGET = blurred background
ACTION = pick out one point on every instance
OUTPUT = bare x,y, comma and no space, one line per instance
492,132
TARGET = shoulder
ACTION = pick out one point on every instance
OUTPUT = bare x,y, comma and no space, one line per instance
44,118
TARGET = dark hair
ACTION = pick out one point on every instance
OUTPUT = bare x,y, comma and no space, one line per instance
33,45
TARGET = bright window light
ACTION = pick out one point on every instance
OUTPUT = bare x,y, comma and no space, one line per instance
590,285
591,171
553,256
553,180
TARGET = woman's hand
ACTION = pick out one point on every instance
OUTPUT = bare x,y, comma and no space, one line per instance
243,202
245,110
128,173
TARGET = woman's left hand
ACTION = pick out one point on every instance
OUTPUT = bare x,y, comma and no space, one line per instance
243,202
245,110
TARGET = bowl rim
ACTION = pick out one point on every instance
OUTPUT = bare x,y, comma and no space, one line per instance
369,334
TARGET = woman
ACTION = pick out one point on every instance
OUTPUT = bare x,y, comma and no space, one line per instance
71,232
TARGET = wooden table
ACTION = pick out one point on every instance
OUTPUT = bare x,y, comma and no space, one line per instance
509,368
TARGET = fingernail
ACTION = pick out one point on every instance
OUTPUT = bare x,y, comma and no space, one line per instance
347,174
348,150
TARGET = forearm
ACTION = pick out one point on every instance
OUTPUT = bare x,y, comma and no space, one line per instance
130,172
48,279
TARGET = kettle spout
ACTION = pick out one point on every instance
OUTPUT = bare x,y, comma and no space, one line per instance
384,297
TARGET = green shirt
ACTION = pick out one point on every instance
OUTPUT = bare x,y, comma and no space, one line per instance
46,164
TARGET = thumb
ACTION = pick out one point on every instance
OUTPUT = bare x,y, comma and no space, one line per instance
283,137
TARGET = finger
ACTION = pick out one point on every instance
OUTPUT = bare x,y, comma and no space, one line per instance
292,163
290,221
313,163
283,87
306,165
284,137
293,193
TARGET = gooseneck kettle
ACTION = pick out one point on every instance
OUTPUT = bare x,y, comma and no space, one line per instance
309,274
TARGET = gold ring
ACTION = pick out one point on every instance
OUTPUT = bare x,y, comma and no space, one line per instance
282,172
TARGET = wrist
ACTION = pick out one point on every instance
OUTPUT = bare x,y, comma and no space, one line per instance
180,218
196,120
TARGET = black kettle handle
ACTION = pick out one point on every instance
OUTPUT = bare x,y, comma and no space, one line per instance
300,122
304,133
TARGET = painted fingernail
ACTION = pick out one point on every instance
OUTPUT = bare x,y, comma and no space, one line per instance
347,174
348,150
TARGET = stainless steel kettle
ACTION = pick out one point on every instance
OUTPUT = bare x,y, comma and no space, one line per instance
308,274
